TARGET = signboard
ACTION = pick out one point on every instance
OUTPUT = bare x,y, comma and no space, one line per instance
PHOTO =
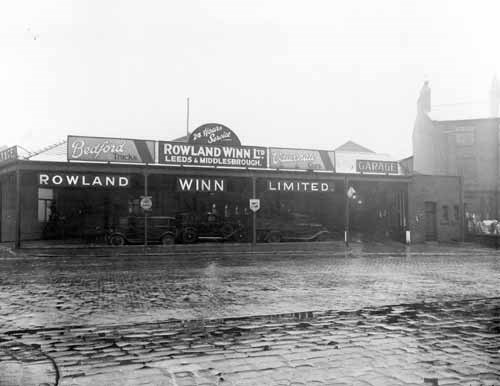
214,134
176,153
371,166
8,154
110,150
83,180
300,159
189,184
300,186
254,204
146,202
366,163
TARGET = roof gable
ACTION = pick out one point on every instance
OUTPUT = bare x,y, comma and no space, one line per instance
353,147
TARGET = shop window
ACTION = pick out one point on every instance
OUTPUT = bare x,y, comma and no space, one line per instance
45,204
446,215
456,212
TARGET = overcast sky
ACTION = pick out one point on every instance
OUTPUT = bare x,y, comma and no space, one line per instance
287,73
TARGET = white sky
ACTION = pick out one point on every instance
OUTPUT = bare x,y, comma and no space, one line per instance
287,73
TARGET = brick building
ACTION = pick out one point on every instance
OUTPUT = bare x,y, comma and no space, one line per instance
461,140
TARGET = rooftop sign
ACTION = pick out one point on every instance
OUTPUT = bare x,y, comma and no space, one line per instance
371,166
214,134
110,150
300,159
176,153
8,154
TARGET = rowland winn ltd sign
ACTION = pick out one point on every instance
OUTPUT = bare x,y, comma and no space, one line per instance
372,166
77,180
178,153
110,150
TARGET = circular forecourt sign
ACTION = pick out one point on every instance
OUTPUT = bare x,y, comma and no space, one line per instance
146,203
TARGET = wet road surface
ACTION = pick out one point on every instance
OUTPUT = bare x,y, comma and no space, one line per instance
370,316
65,290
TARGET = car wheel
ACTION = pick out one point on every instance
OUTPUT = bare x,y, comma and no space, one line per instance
117,240
226,230
273,237
189,235
167,239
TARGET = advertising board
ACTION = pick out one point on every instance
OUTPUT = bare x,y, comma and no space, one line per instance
110,150
176,153
8,154
300,159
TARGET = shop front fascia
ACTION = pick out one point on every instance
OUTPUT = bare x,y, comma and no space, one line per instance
21,213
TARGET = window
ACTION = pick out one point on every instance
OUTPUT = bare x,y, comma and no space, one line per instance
464,136
45,201
456,212
446,215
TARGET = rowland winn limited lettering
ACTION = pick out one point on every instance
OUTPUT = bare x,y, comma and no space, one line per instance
110,149
371,166
175,153
200,184
83,180
299,186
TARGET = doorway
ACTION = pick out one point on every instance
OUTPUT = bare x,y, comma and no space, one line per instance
430,221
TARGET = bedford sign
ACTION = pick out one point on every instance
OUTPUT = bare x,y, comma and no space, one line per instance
175,153
83,180
385,167
110,150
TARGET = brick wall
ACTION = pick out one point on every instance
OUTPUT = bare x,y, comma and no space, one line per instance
444,191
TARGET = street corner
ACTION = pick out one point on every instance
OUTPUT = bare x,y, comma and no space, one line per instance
24,365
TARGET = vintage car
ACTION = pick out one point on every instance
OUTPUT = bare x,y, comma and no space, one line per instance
290,227
193,227
131,230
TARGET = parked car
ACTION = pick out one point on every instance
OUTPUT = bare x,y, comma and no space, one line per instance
130,230
193,227
290,227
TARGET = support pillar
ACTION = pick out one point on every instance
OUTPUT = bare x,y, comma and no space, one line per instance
254,214
347,214
18,208
145,212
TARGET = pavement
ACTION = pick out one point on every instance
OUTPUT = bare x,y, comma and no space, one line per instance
301,314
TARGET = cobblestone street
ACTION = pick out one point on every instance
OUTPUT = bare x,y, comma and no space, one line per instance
372,315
